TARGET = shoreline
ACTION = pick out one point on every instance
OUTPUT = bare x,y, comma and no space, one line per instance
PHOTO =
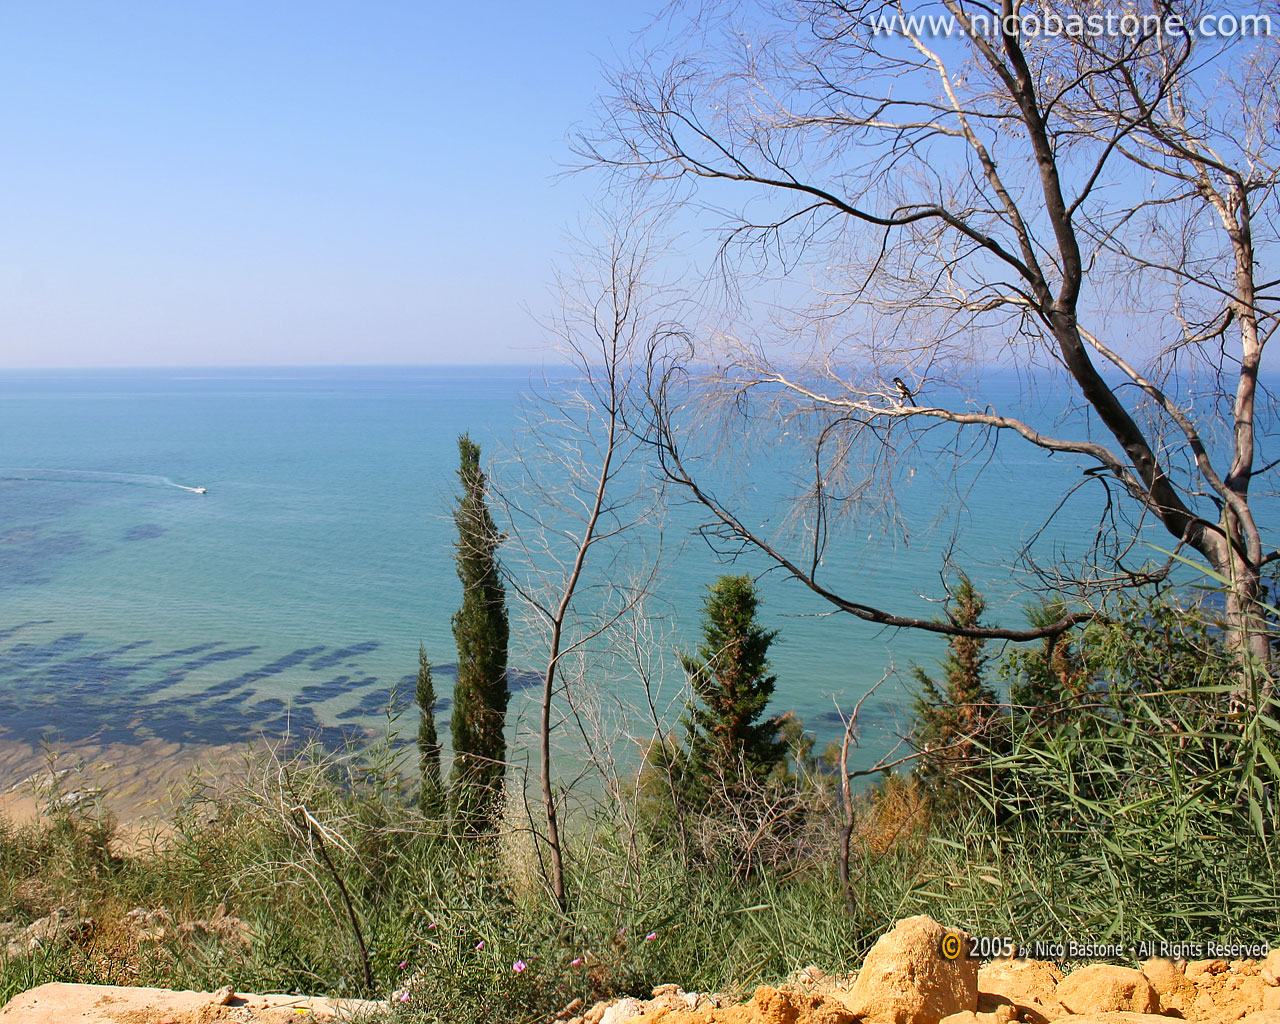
139,785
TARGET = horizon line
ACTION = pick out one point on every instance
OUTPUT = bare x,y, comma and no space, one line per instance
269,366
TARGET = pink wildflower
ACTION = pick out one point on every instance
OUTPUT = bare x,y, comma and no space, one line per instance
575,961
519,966
651,936
480,945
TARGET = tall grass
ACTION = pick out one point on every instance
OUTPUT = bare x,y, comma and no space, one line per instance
1145,812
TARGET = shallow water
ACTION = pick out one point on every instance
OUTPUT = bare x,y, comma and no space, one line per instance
293,595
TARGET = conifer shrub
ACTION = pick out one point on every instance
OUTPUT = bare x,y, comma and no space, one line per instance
956,717
432,796
481,632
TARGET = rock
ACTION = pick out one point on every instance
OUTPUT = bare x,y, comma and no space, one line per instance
623,1009
231,931
41,782
1166,976
75,799
224,996
1026,986
811,979
594,1015
1169,979
831,1012
54,930
1261,1017
906,980
1004,1013
1114,1017
773,1006
149,925
1102,988
1197,969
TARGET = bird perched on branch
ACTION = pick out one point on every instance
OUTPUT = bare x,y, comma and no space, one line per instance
904,390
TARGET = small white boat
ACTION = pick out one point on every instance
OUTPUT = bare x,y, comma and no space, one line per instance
201,490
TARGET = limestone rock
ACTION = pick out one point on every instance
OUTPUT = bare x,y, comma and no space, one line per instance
1101,988
1114,1017
906,980
1004,1013
1197,969
771,1006
1169,979
594,1015
623,1009
50,931
1166,976
224,996
1028,986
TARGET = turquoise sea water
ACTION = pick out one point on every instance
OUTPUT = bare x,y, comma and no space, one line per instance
293,595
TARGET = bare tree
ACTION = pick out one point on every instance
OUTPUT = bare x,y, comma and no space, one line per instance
1094,204
576,493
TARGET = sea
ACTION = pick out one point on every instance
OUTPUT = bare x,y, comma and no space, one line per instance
290,598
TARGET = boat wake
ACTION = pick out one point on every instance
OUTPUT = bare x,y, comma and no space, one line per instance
89,476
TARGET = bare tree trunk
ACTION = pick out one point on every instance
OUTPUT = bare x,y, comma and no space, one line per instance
570,504
1081,204
554,845
846,806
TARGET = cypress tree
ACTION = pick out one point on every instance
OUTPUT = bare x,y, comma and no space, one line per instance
732,685
431,798
480,631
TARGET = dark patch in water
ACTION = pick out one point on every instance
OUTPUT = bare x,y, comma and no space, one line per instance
6,633
185,651
213,657
374,703
517,681
27,656
143,531
345,654
69,690
30,555
266,671
322,691
226,686
228,704
875,715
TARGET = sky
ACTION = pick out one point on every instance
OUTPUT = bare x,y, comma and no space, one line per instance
246,183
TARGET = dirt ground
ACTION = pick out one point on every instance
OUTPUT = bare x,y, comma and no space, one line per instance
110,1004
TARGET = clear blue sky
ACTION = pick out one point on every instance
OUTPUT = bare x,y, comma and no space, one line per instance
188,183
